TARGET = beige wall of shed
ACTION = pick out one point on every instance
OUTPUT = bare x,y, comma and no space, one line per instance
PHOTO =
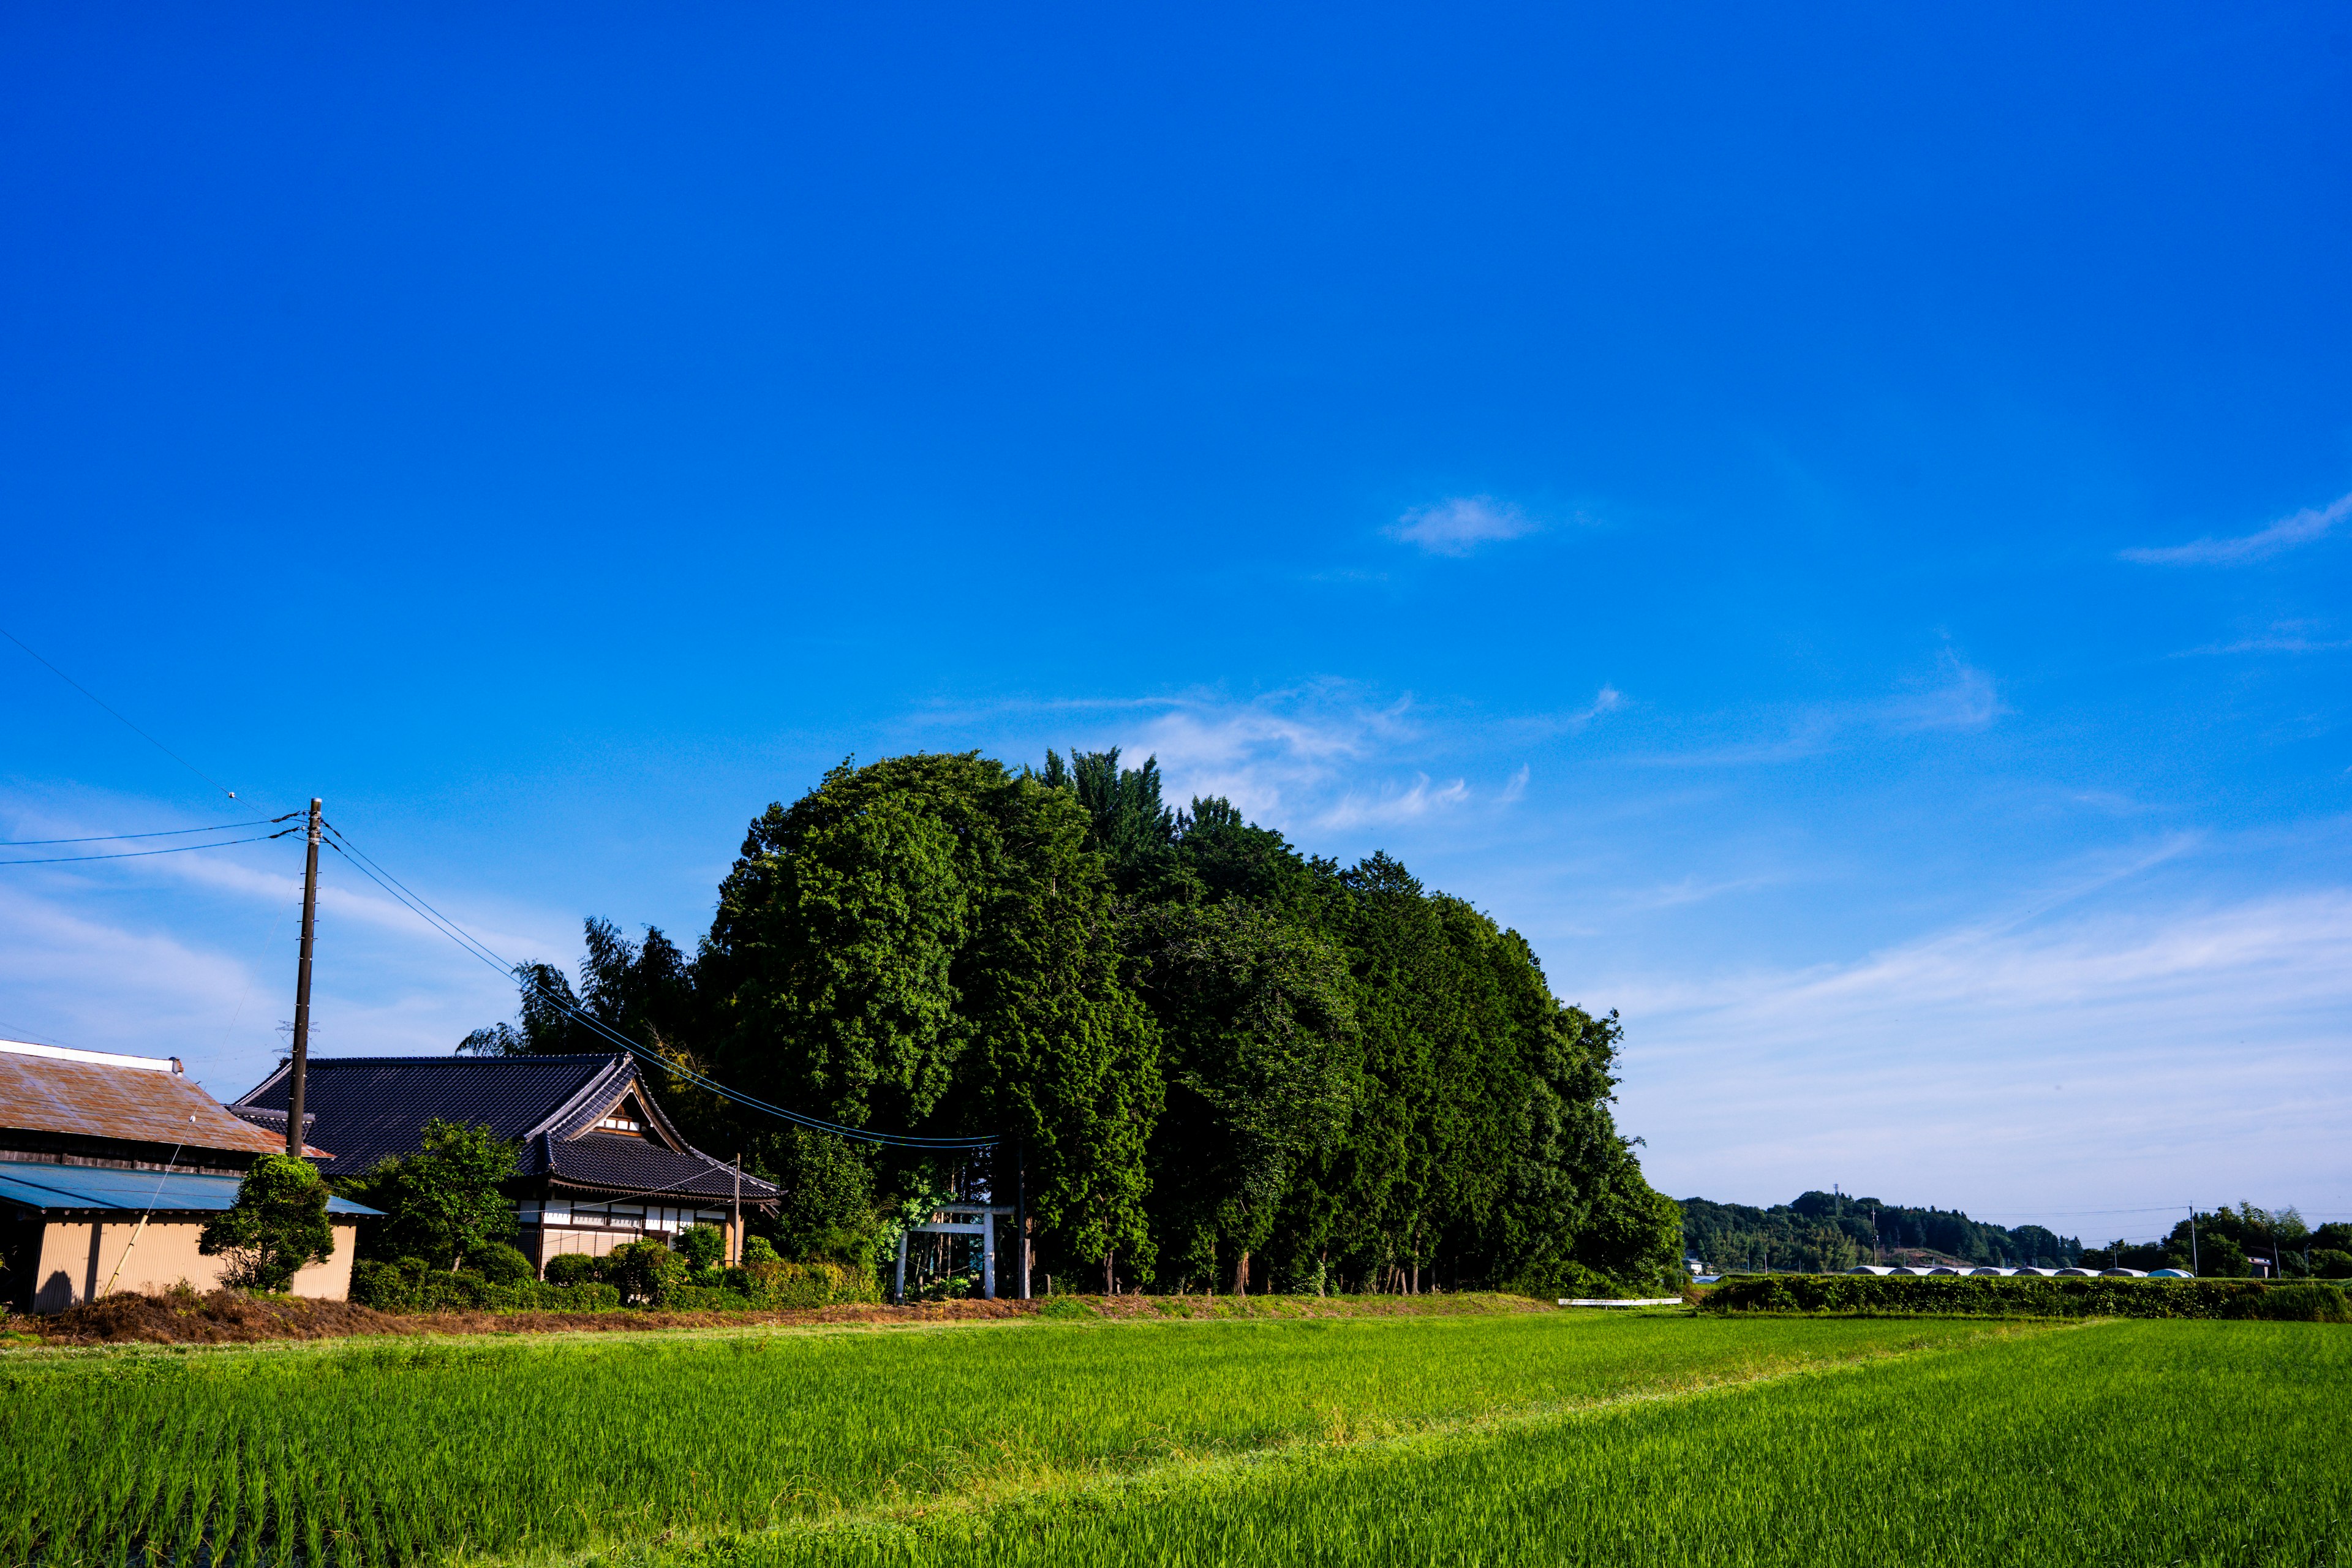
78,1257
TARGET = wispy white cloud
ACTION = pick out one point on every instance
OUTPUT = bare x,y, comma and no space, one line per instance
2303,527
1358,808
1573,720
1961,697
1461,524
2194,1052
2286,636
1694,889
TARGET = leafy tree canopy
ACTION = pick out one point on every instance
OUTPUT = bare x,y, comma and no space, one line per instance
278,1224
444,1203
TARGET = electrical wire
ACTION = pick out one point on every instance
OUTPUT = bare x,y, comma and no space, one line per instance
135,854
400,892
126,723
161,833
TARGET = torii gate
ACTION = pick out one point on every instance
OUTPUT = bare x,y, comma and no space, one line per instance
958,1219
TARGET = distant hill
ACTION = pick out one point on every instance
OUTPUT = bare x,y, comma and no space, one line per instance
1825,1231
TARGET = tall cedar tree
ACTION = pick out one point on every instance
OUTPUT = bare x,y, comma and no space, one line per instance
1263,1072
925,944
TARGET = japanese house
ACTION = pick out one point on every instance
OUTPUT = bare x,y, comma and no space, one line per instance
109,1167
598,1162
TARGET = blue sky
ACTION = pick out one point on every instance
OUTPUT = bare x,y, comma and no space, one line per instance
1837,531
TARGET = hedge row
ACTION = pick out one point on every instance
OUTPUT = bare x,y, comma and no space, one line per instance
410,1285
389,1287
2035,1296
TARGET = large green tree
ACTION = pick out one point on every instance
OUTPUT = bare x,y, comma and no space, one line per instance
925,944
1262,1069
445,1202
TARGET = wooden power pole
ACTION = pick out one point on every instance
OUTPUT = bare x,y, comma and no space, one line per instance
302,989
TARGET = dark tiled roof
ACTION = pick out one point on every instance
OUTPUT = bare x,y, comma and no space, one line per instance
365,1108
139,1105
619,1163
43,1186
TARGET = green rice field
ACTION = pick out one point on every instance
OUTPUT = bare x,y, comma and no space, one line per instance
1525,1438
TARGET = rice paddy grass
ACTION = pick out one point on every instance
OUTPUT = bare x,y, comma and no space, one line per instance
1536,1438
2138,1443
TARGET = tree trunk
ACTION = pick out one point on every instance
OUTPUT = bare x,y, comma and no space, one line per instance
1110,1281
1240,1276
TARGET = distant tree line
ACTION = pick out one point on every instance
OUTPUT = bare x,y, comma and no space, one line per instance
2234,1243
1222,1064
1824,1232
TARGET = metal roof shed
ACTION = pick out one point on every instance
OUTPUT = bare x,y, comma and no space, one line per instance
77,1232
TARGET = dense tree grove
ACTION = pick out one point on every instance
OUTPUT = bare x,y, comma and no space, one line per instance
1220,1064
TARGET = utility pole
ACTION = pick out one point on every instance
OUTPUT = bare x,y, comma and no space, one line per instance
737,1261
302,988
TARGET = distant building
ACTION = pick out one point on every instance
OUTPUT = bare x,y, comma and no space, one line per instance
598,1162
109,1166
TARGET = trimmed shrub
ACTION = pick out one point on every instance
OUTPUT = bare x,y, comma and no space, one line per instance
2032,1297
574,1269
643,1271
278,1224
503,1265
759,1249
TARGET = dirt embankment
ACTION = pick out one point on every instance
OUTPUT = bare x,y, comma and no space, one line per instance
225,1317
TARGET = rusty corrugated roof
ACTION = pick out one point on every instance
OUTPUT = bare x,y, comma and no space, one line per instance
43,1094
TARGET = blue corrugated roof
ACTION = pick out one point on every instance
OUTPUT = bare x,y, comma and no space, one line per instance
34,1185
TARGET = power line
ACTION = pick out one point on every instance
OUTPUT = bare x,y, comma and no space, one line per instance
135,854
127,724
160,833
400,892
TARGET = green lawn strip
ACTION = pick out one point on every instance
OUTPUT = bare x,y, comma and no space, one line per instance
2115,1443
415,1451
